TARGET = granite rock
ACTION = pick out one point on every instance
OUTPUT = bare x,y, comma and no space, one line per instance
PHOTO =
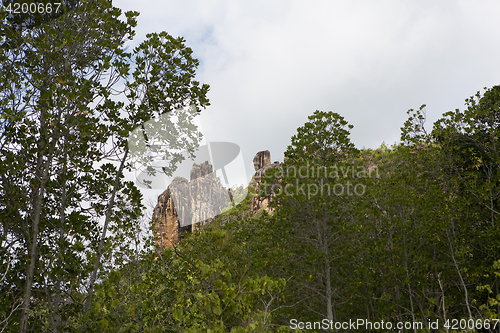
261,159
185,205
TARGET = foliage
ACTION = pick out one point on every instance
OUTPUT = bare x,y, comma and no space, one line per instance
68,215
322,138
402,233
198,286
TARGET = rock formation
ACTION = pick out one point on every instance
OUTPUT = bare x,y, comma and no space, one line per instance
184,206
261,159
187,205
166,223
262,163
206,194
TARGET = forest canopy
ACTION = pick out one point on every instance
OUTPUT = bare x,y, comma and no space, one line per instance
415,240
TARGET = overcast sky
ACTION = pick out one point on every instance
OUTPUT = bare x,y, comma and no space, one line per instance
271,64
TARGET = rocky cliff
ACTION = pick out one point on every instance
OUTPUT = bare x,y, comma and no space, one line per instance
262,163
187,205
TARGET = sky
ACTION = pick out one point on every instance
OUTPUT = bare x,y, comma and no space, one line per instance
271,64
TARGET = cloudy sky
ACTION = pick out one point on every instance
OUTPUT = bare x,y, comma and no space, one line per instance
271,64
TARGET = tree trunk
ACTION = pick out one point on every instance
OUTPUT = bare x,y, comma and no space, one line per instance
109,210
42,173
32,253
329,306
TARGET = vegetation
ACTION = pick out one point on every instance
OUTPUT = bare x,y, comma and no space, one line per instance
407,233
67,214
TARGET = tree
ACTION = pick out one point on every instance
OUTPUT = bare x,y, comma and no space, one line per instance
322,139
313,191
59,120
470,140
393,250
207,282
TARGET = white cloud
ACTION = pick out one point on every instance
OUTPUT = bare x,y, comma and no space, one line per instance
271,64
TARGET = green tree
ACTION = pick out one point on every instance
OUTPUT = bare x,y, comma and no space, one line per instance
322,139
312,226
206,283
59,120
470,140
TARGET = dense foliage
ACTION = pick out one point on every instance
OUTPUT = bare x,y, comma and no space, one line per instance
70,95
407,233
